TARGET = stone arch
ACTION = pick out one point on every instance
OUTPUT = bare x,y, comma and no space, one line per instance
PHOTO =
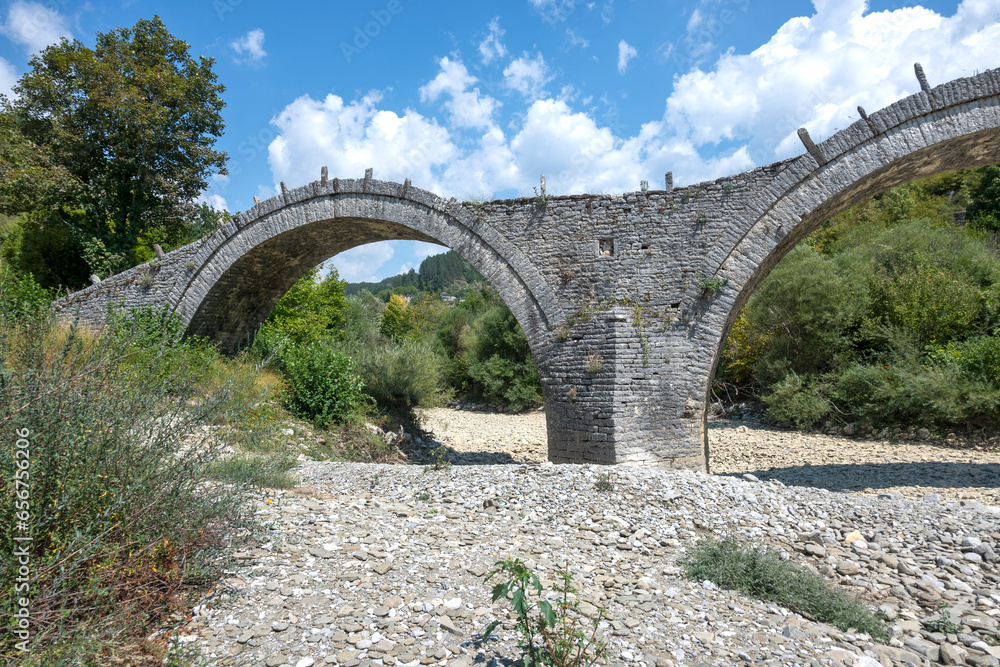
253,260
953,126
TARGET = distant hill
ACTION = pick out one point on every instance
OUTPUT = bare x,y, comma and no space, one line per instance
437,273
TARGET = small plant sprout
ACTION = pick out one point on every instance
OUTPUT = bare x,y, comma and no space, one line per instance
189,265
541,199
606,482
710,285
593,362
644,185
551,633
441,462
145,280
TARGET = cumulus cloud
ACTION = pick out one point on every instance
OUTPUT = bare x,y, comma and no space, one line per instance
361,264
527,76
625,53
816,70
467,107
218,202
250,47
8,77
491,47
34,26
350,137
741,111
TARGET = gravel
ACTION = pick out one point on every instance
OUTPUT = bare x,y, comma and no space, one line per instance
368,564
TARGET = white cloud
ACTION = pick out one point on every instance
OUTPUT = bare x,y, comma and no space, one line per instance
625,53
218,202
423,250
491,47
554,11
349,138
741,112
696,20
8,77
816,70
34,26
576,40
250,47
527,76
467,108
361,264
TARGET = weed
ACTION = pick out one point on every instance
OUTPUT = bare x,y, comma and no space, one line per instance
433,510
760,572
943,623
606,482
702,218
441,462
423,496
189,265
550,634
572,394
145,280
267,471
541,199
644,185
593,362
710,285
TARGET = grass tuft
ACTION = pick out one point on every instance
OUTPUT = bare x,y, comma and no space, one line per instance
761,573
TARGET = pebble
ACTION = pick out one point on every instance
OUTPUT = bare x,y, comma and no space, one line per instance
419,596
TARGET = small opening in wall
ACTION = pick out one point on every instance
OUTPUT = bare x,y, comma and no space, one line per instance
675,306
606,247
645,246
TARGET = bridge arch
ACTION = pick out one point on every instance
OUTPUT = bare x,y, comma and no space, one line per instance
252,261
953,126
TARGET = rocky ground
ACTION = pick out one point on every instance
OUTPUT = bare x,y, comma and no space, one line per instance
383,565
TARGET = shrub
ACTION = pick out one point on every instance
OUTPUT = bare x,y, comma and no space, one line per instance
324,387
408,373
506,383
794,400
312,309
123,513
761,572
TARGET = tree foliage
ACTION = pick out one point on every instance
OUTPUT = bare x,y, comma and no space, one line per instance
889,314
108,147
311,310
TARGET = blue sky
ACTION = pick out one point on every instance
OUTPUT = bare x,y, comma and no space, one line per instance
478,99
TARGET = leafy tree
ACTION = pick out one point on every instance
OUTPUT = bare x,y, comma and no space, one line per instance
984,211
397,323
311,310
123,132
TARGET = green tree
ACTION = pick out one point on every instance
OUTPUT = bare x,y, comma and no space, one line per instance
397,323
124,132
312,309
984,210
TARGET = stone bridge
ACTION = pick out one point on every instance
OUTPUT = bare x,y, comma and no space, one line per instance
614,293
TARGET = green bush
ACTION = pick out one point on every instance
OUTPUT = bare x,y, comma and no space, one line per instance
795,400
324,387
761,572
507,383
403,374
22,297
124,524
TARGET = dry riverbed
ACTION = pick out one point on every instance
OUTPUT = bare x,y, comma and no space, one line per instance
368,565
